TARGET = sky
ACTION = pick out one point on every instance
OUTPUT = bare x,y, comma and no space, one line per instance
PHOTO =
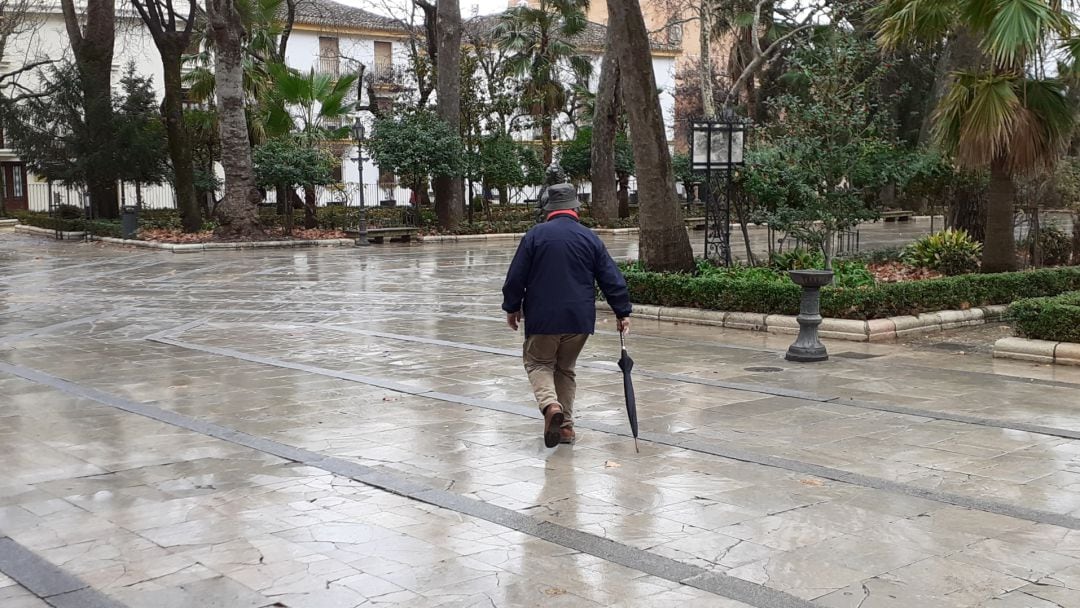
482,7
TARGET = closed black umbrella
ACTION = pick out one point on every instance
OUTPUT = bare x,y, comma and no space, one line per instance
626,364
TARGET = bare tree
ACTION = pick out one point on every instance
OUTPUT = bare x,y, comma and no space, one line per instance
238,211
449,190
663,240
172,34
92,44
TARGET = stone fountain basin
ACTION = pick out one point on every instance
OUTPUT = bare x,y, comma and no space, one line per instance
811,278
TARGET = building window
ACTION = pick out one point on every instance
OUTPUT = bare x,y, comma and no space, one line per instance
17,182
675,33
336,171
384,61
329,56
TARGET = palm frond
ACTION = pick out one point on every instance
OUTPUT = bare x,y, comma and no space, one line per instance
905,20
1018,28
1046,122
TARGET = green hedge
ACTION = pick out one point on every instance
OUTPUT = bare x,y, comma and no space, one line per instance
872,302
97,227
1055,318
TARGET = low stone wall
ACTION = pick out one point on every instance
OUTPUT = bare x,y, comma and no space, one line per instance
1038,351
875,330
8,224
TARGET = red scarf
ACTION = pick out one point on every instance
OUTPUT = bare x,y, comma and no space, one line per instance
569,212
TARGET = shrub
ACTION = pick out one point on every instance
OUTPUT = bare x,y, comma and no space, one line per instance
1055,318
1055,246
735,293
70,212
951,252
797,259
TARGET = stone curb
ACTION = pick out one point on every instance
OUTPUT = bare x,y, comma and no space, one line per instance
874,330
197,247
508,236
64,236
1038,351
8,224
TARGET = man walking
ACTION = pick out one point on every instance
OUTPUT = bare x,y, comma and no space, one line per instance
552,285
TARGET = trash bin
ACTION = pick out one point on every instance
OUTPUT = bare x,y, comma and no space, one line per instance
129,221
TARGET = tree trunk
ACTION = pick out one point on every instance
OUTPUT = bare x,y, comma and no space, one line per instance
92,45
623,195
311,210
960,53
604,204
179,146
238,211
547,140
449,203
705,75
663,240
999,250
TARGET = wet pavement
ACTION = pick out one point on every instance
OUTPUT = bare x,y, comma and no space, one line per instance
352,427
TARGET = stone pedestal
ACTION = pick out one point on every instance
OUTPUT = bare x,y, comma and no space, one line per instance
808,347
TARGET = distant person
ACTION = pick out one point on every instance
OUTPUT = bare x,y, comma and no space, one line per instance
551,284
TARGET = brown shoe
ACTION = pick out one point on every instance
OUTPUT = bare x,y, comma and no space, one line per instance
566,434
553,419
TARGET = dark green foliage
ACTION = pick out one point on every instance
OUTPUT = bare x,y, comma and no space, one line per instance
142,155
1055,246
1055,318
576,157
290,162
415,145
734,293
70,223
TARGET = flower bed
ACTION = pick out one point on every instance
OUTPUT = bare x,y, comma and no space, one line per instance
1056,319
755,291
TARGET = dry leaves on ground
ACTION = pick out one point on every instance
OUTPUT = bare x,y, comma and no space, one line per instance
176,237
895,272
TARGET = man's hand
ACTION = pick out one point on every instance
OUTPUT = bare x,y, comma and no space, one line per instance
623,325
513,319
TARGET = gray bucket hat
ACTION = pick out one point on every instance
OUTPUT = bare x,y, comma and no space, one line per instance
560,197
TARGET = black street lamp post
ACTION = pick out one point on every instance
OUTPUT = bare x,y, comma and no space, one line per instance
361,229
716,144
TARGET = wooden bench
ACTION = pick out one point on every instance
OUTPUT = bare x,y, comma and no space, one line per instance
695,223
897,216
378,235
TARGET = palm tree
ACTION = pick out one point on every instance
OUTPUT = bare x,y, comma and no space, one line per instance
540,42
313,106
996,114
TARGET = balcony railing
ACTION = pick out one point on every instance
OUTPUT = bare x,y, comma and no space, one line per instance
330,66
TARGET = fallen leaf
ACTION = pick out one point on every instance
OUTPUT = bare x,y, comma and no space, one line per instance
812,482
554,591
611,464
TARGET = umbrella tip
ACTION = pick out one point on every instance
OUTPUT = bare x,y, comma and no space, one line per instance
636,448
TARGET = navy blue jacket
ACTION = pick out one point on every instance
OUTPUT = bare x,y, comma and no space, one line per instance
553,279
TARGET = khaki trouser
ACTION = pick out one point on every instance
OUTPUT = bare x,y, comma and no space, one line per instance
549,361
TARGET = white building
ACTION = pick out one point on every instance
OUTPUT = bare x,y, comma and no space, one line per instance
327,36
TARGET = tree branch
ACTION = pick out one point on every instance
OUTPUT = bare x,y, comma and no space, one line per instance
71,21
25,68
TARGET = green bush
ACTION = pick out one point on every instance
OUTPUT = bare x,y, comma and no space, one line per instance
70,212
1055,246
797,259
951,252
44,220
735,293
1055,318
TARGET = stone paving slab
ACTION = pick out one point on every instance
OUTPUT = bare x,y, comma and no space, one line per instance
154,514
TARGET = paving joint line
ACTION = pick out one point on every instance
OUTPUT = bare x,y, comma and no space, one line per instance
694,445
763,389
13,338
52,584
641,560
